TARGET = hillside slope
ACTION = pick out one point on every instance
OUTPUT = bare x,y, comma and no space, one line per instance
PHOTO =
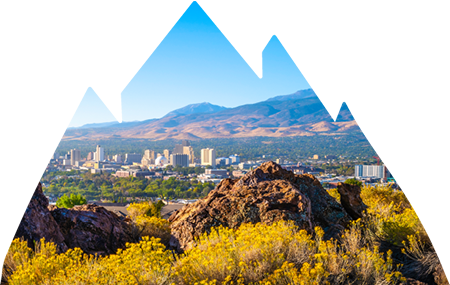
277,117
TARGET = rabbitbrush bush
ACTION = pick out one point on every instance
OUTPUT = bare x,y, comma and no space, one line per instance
252,254
146,221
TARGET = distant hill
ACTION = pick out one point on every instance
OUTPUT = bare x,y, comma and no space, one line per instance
204,107
114,124
301,94
298,114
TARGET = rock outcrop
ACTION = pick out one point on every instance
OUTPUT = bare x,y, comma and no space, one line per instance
351,200
266,194
37,222
90,227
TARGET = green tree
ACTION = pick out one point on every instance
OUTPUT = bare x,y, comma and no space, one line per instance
353,181
69,202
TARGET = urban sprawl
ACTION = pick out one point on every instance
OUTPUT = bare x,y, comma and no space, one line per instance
151,165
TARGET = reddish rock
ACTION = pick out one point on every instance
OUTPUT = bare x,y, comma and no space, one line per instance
92,228
89,227
351,200
37,222
266,194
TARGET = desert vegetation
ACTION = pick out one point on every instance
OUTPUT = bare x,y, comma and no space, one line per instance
387,246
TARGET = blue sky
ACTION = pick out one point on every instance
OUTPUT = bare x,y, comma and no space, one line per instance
72,63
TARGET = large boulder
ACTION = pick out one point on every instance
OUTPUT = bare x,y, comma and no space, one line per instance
266,194
37,222
92,228
351,200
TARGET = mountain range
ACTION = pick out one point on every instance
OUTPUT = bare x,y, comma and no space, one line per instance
297,114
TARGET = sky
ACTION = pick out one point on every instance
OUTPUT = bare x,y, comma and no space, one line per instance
72,63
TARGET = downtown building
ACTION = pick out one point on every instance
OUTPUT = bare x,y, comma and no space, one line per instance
99,154
179,160
208,156
75,156
377,171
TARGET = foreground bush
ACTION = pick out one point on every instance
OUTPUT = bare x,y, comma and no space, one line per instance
144,263
253,254
280,254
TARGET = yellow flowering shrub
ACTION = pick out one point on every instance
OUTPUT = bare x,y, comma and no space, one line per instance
374,196
147,221
281,254
389,214
153,227
335,194
143,209
146,262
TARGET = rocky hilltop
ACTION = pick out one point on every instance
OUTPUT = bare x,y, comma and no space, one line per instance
266,194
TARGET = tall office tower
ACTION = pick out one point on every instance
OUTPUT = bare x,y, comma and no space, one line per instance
208,157
90,156
148,158
179,148
100,154
149,154
358,170
117,158
179,160
190,152
55,155
75,155
167,154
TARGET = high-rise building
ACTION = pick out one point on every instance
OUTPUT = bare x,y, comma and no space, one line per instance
75,155
117,158
208,156
358,170
167,154
378,171
179,148
131,158
149,154
99,154
148,158
90,156
179,160
190,152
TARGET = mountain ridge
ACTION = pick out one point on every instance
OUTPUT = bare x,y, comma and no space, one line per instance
204,107
285,116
